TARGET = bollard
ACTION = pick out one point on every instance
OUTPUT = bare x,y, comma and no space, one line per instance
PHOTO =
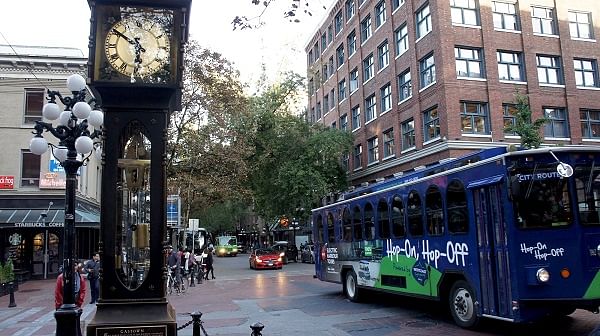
11,291
197,322
257,328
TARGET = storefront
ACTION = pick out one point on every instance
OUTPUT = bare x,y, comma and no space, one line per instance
33,238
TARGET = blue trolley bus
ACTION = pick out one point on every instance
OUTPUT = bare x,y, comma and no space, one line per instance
503,234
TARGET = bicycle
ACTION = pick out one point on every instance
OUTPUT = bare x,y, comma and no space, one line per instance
174,282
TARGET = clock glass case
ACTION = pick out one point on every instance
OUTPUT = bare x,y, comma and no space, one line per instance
134,44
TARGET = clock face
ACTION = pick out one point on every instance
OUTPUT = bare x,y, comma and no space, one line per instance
137,47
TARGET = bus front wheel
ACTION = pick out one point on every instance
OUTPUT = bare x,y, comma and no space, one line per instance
462,304
351,289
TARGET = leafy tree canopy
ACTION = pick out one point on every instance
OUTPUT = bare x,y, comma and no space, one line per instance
528,130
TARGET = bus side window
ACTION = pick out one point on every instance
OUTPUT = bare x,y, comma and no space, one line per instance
398,227
319,225
415,214
369,224
383,219
456,203
330,228
357,222
346,225
434,211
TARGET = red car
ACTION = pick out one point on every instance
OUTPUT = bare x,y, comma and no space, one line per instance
265,258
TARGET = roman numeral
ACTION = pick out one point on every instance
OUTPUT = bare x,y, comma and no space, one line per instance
114,57
123,66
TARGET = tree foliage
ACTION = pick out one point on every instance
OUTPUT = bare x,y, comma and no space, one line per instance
293,11
528,130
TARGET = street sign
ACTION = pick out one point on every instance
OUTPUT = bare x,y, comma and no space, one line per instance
193,224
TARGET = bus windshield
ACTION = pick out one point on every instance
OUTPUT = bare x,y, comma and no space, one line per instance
541,197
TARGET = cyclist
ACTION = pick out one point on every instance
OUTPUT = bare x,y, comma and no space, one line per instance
174,263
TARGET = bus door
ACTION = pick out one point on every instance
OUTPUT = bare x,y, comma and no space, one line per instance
488,195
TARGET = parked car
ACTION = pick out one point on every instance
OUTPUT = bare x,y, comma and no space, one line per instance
265,258
289,252
308,254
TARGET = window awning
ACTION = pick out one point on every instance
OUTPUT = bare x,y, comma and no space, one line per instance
85,216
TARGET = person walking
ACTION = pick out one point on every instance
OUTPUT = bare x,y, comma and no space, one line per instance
92,268
209,265
79,288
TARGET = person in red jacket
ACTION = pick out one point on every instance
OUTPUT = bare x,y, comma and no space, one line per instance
79,286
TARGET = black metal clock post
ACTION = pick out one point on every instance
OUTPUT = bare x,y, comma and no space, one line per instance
135,70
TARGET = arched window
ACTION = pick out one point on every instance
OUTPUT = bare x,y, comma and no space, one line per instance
456,202
357,223
434,211
369,224
398,226
330,228
347,225
319,223
383,219
415,214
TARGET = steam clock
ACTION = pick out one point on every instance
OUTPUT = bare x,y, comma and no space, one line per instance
135,70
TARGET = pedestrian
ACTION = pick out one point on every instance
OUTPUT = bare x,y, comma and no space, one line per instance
92,268
190,266
173,262
79,288
209,265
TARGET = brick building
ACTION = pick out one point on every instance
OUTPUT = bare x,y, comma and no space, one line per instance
417,81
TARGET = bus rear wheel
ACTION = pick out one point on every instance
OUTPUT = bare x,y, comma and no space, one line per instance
351,290
462,304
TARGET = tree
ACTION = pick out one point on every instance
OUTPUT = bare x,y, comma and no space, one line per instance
294,163
292,12
528,131
206,154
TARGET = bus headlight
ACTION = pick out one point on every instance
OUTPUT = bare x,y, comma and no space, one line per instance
542,275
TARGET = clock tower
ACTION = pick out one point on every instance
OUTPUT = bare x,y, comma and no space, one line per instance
135,71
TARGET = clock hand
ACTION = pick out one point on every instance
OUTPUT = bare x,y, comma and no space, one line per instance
124,36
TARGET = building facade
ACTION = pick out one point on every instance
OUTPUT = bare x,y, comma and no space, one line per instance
32,187
418,81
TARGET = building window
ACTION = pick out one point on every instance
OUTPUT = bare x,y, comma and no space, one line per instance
383,55
427,65
557,126
408,134
590,123
318,80
370,108
373,150
34,103
388,143
468,62
355,117
368,68
386,97
311,86
351,43
543,20
357,156
341,90
326,103
396,4
332,97
509,111
380,15
505,15
580,25
310,57
333,125
464,12
401,40
339,52
325,72
331,66
344,122
549,69
354,80
324,41
404,85
345,161
317,52
313,117
339,22
30,169
330,34
509,66
365,29
431,124
350,9
319,112
586,72
423,19
474,118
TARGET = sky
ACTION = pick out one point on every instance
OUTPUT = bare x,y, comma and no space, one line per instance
279,43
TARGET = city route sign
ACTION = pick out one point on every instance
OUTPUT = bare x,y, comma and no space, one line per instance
160,330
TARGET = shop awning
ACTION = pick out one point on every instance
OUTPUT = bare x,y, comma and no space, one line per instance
85,216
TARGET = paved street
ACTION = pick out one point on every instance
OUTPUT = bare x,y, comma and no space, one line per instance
288,302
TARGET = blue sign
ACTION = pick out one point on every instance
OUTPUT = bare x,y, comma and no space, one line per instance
173,210
419,272
54,166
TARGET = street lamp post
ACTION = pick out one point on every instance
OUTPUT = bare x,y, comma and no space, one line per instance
74,139
294,227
